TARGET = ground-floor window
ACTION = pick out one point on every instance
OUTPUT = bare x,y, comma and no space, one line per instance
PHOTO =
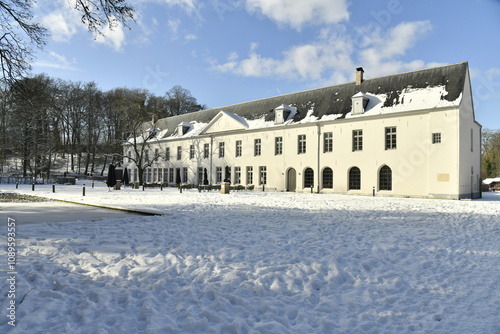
136,175
308,178
263,175
328,178
249,175
200,175
165,175
385,178
178,179
171,175
237,175
185,174
354,178
218,174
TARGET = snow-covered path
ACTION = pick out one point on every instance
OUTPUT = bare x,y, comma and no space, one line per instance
254,262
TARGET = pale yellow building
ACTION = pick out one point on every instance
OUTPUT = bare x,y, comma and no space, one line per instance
410,134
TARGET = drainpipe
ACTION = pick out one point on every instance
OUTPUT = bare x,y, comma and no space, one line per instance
211,157
318,159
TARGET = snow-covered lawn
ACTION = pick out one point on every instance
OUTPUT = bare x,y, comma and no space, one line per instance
253,262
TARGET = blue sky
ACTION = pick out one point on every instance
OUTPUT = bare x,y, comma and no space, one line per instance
231,51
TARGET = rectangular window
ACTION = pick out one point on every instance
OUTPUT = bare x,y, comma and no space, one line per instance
238,148
328,142
249,175
148,175
436,138
157,154
200,175
357,140
237,175
136,175
221,150
165,175
146,156
155,176
191,151
179,152
167,154
218,174
262,175
278,145
206,151
257,147
302,144
185,175
171,175
390,138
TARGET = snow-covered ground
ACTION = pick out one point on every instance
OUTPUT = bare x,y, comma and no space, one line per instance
253,262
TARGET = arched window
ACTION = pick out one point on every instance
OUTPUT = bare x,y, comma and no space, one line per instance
354,178
327,178
385,178
308,178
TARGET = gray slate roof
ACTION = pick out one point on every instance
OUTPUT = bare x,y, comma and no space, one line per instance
335,99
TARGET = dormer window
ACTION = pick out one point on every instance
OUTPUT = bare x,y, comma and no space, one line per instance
183,128
151,133
282,113
359,103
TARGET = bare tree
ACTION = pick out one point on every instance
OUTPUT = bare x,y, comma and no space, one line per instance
180,101
140,134
31,100
20,36
491,153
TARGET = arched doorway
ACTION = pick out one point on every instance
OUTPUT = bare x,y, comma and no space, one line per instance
308,178
385,178
291,180
327,178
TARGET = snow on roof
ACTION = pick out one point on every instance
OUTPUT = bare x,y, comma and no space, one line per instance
491,180
184,123
426,89
409,99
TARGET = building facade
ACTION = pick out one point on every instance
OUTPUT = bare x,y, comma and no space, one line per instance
412,134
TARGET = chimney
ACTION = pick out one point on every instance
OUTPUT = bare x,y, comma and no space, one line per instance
359,76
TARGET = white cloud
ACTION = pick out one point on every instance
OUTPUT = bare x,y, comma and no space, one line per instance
62,21
187,5
297,13
382,48
58,61
333,57
302,62
114,38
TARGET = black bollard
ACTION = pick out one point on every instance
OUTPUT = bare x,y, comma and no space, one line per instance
83,189
92,184
17,185
33,186
374,191
53,188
